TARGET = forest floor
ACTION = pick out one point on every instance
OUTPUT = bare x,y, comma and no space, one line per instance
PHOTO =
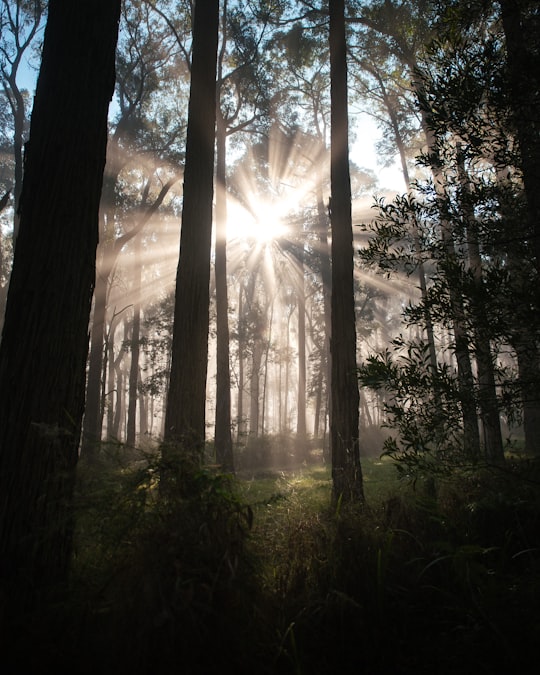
261,573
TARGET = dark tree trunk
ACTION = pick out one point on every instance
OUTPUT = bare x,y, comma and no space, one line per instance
240,422
453,272
301,427
528,360
92,426
110,250
254,389
135,348
223,436
346,470
521,29
326,278
45,338
487,392
185,414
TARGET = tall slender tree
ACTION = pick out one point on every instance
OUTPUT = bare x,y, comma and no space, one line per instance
521,21
185,413
45,337
345,401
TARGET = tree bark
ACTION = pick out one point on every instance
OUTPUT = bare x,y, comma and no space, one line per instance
240,422
135,348
523,56
301,427
45,339
346,470
487,392
185,413
223,436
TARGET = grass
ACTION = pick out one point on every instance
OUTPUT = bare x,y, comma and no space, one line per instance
263,574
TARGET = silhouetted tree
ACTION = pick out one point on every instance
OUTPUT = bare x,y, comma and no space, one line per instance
345,400
45,338
185,413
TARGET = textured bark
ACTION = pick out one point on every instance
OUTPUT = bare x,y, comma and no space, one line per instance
521,26
223,436
185,414
346,470
45,338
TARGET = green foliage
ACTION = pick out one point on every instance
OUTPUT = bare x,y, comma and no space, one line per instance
158,577
410,585
264,574
423,408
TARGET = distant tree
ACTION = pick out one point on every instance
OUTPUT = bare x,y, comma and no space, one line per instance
345,400
45,338
241,87
185,412
144,126
482,268
20,22
135,346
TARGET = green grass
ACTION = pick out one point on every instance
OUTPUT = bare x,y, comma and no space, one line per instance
263,573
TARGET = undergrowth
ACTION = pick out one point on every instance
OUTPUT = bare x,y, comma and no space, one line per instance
260,573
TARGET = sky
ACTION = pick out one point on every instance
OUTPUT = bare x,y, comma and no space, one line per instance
363,153
362,150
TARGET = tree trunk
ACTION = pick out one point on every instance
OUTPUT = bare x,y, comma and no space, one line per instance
471,434
394,123
109,249
135,348
45,340
254,394
346,470
92,418
111,390
223,437
326,278
523,55
143,411
286,416
301,428
240,422
487,393
185,414
529,375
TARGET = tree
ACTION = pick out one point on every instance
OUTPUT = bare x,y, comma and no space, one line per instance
223,435
45,339
521,21
185,413
19,24
135,347
144,122
344,417
238,91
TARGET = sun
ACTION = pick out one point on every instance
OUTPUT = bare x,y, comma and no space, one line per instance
260,222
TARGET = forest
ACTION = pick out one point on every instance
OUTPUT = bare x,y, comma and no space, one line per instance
270,336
